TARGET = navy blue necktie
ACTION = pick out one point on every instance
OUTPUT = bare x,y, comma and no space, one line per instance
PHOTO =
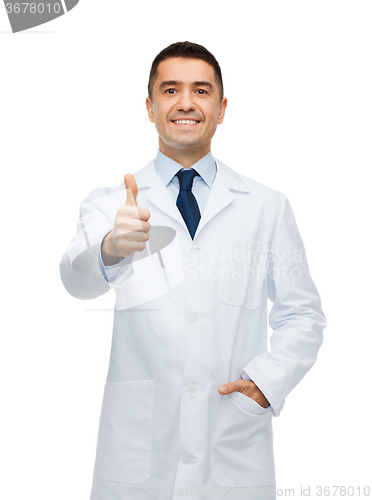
186,201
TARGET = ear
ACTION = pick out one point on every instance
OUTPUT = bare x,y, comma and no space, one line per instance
222,110
150,110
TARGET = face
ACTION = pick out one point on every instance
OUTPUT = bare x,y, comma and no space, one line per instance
185,106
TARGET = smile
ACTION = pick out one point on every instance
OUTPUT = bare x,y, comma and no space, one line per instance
186,122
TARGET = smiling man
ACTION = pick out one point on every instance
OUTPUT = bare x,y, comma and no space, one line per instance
192,387
186,111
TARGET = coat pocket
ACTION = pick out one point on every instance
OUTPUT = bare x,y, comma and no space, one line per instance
242,449
125,432
242,272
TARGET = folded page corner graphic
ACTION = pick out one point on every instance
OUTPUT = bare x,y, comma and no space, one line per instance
153,275
70,4
23,16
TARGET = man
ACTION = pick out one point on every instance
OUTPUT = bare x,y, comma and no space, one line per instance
192,387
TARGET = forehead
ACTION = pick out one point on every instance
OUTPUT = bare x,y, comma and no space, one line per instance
185,70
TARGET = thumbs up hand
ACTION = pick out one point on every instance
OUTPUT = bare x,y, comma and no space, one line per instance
131,226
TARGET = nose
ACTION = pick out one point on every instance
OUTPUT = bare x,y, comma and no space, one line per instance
186,102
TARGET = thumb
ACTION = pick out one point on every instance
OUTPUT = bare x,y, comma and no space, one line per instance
131,187
240,385
228,388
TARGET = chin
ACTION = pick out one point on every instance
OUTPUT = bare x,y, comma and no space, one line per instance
186,142
186,146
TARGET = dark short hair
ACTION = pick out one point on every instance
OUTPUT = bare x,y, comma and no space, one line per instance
188,50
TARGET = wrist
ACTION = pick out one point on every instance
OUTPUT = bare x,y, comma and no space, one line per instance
109,254
259,397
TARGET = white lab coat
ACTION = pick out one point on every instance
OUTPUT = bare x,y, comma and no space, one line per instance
165,431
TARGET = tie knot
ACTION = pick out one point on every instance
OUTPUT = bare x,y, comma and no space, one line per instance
186,178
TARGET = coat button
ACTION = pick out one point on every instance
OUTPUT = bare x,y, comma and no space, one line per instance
193,389
186,459
192,317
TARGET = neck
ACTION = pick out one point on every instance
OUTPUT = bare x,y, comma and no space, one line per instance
185,158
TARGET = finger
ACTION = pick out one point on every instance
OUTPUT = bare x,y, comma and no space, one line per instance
135,235
227,388
138,225
134,218
134,212
143,213
239,385
131,187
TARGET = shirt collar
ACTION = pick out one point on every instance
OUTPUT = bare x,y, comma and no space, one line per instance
166,168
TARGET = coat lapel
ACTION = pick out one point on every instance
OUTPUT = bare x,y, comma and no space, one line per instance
222,193
157,193
225,183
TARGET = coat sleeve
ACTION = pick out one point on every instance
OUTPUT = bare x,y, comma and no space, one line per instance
296,316
80,269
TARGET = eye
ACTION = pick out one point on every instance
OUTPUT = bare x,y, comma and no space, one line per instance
170,91
202,91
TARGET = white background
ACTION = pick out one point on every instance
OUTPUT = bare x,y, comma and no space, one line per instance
298,80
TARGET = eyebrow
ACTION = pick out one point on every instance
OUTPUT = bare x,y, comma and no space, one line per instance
179,82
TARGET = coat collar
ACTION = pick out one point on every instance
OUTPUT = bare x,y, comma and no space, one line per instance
232,179
166,168
221,195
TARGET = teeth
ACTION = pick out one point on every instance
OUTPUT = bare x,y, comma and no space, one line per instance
185,122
